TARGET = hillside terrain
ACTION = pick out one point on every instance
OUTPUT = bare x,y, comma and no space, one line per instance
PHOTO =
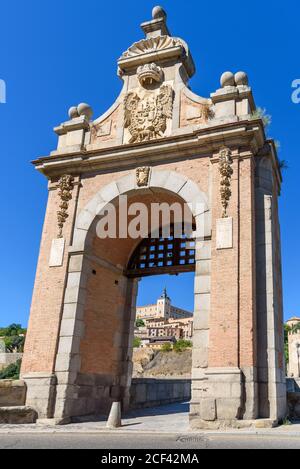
149,364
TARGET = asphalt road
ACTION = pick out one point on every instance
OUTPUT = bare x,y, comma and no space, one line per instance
147,441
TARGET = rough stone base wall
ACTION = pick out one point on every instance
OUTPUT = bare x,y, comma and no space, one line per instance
155,392
90,394
20,415
12,393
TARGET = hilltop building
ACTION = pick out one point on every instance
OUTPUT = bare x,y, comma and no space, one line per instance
162,309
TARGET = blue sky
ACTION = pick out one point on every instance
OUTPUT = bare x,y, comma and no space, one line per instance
57,53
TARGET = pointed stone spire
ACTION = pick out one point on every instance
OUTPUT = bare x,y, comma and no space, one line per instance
158,25
165,294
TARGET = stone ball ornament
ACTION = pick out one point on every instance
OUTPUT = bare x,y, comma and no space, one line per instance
241,78
85,109
73,112
227,79
158,12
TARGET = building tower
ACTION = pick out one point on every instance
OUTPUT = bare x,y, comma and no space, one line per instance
164,305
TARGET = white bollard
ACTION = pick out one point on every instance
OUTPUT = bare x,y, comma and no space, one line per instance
114,419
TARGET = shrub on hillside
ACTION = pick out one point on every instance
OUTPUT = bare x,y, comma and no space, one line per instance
139,323
166,347
182,345
136,342
11,371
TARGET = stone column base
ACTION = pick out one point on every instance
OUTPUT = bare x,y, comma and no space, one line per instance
217,395
41,393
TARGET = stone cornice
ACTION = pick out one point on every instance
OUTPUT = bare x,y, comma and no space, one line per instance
197,143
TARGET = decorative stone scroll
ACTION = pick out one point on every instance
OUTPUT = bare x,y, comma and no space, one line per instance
146,117
65,185
142,176
226,172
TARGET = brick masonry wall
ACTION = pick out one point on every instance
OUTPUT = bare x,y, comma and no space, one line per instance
232,320
45,314
102,318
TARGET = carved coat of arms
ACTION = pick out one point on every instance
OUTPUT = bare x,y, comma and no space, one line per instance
146,118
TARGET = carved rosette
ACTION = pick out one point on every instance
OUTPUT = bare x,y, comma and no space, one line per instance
65,186
142,176
226,172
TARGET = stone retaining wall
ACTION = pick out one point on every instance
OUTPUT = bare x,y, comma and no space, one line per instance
148,392
293,384
9,358
294,405
293,398
12,393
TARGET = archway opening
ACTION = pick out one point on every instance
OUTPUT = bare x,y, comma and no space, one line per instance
110,275
163,332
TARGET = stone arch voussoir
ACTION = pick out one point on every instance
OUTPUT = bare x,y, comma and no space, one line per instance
171,181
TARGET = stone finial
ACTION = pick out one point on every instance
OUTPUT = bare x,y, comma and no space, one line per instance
241,78
73,112
85,110
82,109
158,25
227,79
158,12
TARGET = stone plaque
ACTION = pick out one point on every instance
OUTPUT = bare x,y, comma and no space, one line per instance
224,233
57,252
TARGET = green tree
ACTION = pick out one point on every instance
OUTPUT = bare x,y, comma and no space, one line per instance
14,337
137,342
12,330
14,343
139,323
182,345
11,371
295,328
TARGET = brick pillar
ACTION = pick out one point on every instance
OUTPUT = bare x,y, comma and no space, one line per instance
43,330
224,377
84,385
224,373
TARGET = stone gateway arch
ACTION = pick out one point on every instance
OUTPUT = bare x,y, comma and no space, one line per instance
160,142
